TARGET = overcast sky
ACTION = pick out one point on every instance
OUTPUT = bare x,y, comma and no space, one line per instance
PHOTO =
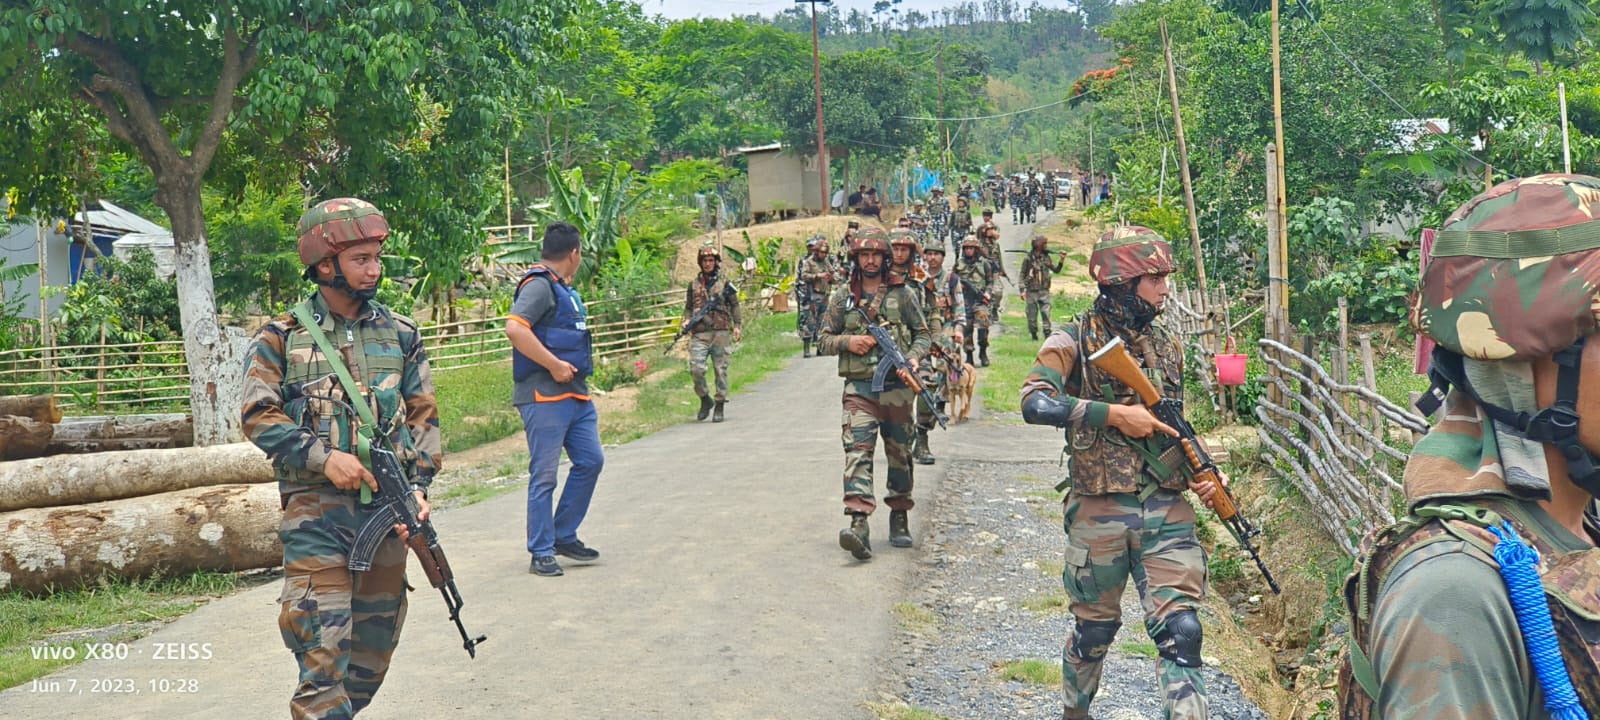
727,8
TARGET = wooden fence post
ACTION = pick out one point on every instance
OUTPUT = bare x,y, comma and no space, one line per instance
1370,375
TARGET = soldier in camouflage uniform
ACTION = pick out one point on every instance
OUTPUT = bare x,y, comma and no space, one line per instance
1018,192
1125,513
945,310
713,335
976,276
1509,296
817,273
1037,272
885,298
938,217
906,262
960,221
990,238
343,626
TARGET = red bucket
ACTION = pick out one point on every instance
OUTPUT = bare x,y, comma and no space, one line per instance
1230,365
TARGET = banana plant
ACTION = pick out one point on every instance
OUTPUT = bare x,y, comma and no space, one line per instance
599,212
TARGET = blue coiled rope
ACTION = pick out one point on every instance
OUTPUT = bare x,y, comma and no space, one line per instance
1519,563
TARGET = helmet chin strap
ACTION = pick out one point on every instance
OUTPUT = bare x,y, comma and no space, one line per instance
1556,425
342,284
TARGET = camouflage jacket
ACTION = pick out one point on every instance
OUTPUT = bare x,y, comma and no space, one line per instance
938,209
949,302
961,219
979,276
1037,271
296,410
894,305
1422,580
1104,461
819,274
725,316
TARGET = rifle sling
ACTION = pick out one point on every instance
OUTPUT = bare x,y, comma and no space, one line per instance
302,312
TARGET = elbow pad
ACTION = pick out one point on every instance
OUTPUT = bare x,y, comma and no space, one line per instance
1041,409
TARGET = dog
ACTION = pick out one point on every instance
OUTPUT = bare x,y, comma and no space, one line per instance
958,391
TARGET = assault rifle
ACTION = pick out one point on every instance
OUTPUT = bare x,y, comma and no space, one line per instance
693,320
393,504
894,359
1114,360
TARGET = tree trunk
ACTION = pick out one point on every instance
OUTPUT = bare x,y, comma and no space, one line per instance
228,527
78,479
25,437
122,432
213,355
37,407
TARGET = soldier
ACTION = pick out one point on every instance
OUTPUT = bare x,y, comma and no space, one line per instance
916,220
1048,188
1439,600
342,626
817,273
1037,273
995,190
1035,195
1125,512
885,299
1019,192
714,333
965,190
990,239
845,241
945,311
960,220
939,216
988,222
976,273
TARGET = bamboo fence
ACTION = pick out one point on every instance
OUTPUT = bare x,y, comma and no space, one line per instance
137,376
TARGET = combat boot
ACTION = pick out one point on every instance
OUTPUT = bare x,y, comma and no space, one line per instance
857,538
705,408
807,345
983,355
716,414
920,452
969,357
899,529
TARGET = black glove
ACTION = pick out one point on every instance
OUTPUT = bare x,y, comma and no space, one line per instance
1041,409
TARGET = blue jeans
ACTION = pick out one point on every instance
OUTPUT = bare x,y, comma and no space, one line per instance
572,424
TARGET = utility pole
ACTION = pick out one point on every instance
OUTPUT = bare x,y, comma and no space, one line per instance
1183,167
938,62
1280,269
816,72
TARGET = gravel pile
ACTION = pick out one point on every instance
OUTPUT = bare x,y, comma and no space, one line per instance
988,594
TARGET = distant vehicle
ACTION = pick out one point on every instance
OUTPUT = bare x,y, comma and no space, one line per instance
1063,186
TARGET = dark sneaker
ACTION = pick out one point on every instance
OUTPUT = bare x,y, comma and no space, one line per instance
545,565
577,551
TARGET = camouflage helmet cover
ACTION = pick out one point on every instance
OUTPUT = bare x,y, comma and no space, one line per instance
901,236
708,250
332,226
816,240
869,240
1126,252
1513,272
971,241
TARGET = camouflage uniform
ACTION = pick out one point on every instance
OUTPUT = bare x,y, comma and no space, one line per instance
1037,272
1125,514
960,222
1018,191
977,286
712,337
1511,283
817,274
939,216
342,626
945,309
868,414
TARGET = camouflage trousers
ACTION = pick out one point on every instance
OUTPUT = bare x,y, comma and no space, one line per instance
808,318
1038,304
343,626
978,319
867,415
718,346
1112,537
932,372
939,229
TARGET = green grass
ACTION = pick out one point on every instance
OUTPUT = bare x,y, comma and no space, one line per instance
1036,672
1011,353
1142,649
114,607
1396,381
475,406
914,617
884,711
1044,604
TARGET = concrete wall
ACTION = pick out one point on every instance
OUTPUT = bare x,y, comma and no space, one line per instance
19,245
780,179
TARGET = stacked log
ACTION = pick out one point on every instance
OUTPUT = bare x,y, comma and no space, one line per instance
77,479
35,407
31,426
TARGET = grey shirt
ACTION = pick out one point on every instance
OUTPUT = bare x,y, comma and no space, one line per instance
536,305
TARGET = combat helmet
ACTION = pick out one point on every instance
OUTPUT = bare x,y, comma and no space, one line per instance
869,239
1126,252
708,250
816,240
972,241
332,226
902,236
1513,275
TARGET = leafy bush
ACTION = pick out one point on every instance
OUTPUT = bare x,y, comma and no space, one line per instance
126,302
253,256
1378,285
14,328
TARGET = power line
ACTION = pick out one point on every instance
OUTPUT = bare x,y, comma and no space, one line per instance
1352,63
1001,115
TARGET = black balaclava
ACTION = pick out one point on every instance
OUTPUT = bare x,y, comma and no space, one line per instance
1122,305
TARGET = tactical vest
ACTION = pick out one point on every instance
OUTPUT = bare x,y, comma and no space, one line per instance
1571,587
888,303
316,400
944,286
1104,461
1037,276
721,316
566,335
977,274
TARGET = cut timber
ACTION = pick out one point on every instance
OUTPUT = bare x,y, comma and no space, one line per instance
227,527
39,407
25,437
77,479
101,433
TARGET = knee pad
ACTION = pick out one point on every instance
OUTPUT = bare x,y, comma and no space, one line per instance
1179,639
1093,638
